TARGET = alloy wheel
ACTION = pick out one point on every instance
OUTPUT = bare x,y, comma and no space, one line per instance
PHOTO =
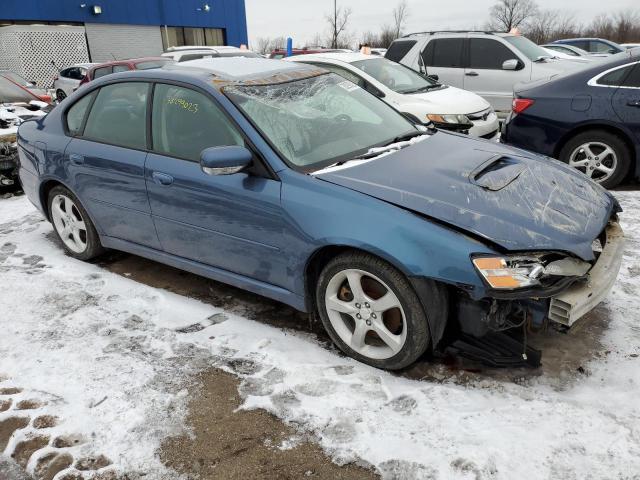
69,223
595,159
366,314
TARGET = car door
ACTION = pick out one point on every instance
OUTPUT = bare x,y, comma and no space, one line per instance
626,99
444,57
485,75
232,222
105,159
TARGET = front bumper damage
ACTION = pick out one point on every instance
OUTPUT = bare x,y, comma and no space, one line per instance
569,306
488,326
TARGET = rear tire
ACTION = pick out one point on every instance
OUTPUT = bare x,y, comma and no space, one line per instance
72,224
371,311
602,156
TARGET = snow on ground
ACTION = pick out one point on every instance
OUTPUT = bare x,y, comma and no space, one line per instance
72,334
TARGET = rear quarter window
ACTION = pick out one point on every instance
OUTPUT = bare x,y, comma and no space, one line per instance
615,78
77,113
399,49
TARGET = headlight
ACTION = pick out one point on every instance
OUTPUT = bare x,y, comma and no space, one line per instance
529,269
507,273
449,118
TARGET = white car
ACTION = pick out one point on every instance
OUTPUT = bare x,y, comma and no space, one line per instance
68,80
186,53
487,63
629,46
565,56
421,98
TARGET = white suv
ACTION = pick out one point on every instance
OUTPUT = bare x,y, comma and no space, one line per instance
487,63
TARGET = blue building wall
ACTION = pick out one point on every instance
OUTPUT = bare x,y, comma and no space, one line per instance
227,14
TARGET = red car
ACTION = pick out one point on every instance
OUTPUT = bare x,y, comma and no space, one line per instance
279,53
116,66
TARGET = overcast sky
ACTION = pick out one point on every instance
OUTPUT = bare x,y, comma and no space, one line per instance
302,19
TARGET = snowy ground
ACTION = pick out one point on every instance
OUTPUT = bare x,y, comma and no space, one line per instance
110,359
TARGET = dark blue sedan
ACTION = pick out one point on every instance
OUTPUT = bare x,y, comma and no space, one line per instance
296,184
589,119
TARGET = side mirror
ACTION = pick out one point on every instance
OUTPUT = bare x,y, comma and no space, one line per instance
435,78
225,160
512,64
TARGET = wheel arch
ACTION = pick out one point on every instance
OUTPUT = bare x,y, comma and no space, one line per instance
49,184
625,136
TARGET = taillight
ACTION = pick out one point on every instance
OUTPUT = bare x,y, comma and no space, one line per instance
519,105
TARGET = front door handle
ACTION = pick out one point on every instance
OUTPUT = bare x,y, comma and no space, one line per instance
634,103
472,74
162,178
76,159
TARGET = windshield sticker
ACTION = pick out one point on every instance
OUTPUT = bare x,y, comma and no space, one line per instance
348,86
181,102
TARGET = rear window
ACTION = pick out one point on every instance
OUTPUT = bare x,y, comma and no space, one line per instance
399,49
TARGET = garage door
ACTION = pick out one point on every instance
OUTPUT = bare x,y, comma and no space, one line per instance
109,42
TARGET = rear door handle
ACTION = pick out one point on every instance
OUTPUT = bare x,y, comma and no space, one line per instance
76,159
162,178
634,103
472,74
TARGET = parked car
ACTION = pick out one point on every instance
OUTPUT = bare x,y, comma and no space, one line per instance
184,54
487,63
572,50
553,53
22,82
17,104
146,63
421,98
629,46
589,119
593,45
69,78
285,180
280,53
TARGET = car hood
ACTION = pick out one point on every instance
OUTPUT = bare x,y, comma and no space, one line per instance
450,100
512,198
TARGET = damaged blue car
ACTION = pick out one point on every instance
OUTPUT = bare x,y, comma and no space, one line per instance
291,182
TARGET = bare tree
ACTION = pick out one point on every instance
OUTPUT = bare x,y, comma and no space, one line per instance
262,45
370,38
338,21
509,14
387,36
400,14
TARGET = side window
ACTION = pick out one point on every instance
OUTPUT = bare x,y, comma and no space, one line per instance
101,72
66,72
120,68
490,54
633,80
615,78
444,52
118,115
599,47
76,114
185,122
343,72
583,44
399,49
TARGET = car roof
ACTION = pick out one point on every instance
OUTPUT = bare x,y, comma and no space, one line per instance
221,48
454,32
342,56
245,70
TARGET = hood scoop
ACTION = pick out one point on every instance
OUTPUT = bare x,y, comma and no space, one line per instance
497,173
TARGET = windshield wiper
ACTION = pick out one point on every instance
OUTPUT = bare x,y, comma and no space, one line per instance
405,137
426,88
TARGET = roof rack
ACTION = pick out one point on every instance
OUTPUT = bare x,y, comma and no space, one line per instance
487,32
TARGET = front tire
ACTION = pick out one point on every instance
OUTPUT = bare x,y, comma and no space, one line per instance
73,225
602,156
371,312
60,95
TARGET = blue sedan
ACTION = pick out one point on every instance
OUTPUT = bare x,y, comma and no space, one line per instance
293,183
589,119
